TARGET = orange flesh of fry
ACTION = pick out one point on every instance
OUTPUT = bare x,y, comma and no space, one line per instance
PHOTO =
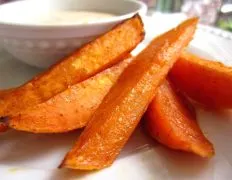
207,82
185,101
122,108
171,123
92,58
70,109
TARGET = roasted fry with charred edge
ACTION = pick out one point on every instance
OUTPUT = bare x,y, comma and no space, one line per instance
122,108
72,108
3,126
170,122
207,82
92,58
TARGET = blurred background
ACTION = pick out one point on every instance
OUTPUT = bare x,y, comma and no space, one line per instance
211,12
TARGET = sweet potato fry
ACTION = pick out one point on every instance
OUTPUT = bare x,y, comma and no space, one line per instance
122,108
72,108
92,58
5,91
171,123
207,82
3,127
185,101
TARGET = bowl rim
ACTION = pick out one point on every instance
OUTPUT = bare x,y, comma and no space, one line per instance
142,8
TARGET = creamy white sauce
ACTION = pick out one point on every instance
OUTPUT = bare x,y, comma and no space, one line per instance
70,17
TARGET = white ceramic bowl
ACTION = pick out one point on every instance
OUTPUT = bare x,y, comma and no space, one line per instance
43,45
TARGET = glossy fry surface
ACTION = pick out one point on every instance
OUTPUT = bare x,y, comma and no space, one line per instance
90,59
72,108
170,122
122,108
207,82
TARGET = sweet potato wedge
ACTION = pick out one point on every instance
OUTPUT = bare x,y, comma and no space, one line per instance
122,108
3,127
72,108
207,82
170,122
92,58
5,92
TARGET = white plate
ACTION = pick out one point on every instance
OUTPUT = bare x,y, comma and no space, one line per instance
26,156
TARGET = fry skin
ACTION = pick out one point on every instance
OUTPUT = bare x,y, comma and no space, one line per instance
170,122
5,91
72,108
121,110
90,59
3,127
207,82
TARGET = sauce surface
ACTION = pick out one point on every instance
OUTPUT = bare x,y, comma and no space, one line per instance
70,17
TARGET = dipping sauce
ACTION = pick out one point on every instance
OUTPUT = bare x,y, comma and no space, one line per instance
68,17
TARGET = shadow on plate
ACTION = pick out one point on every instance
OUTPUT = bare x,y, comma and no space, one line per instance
14,72
42,151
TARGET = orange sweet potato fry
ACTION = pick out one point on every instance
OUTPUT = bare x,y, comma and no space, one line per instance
122,108
72,108
171,123
5,91
185,101
207,82
92,58
3,127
